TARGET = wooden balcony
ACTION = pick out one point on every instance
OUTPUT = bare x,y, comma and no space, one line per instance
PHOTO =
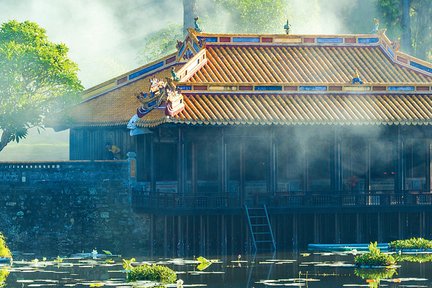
175,204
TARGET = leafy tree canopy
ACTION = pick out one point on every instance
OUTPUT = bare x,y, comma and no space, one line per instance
160,43
252,16
420,12
36,78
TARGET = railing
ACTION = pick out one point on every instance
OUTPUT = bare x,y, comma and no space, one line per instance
36,172
176,201
161,201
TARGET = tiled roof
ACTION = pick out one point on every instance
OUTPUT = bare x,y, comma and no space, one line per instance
272,79
301,64
295,109
113,107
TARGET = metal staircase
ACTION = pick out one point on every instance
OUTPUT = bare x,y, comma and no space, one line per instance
260,228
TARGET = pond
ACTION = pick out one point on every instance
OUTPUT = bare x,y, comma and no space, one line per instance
280,270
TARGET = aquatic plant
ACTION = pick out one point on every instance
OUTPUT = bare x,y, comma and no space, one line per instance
4,250
204,263
416,258
375,274
157,273
374,257
4,273
412,243
127,264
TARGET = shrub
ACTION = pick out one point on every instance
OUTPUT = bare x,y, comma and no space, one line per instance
418,258
3,275
374,257
157,273
4,250
412,243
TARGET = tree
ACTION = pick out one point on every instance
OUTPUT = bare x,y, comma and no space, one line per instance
160,43
36,78
253,16
189,13
411,21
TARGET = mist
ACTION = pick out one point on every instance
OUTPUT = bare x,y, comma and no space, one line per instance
105,39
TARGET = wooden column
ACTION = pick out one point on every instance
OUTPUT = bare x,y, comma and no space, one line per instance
181,167
316,228
242,173
379,228
337,228
295,232
222,164
358,228
400,172
428,165
273,165
401,225
337,161
152,165
194,168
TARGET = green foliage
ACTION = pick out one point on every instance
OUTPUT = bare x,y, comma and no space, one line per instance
127,264
375,274
160,43
374,257
4,250
4,273
419,258
412,243
255,16
157,273
420,19
36,78
203,263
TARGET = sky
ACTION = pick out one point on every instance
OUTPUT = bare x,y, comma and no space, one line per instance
105,38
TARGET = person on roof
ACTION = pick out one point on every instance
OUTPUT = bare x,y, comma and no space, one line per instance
356,78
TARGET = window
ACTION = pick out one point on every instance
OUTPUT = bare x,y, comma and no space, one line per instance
415,155
354,164
318,157
166,161
290,166
383,162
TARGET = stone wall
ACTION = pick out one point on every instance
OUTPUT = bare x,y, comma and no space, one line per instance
59,208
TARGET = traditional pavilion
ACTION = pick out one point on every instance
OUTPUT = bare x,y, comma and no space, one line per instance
331,134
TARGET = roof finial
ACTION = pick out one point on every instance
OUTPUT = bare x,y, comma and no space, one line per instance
356,78
287,27
197,26
174,75
376,26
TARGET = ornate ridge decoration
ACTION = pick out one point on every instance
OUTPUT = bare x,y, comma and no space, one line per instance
162,94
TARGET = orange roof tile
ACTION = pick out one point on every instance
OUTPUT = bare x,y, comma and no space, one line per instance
301,64
295,109
113,107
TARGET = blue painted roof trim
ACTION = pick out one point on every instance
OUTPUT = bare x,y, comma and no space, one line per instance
420,66
329,40
268,88
208,39
401,88
390,51
196,47
246,39
184,87
145,70
368,40
313,88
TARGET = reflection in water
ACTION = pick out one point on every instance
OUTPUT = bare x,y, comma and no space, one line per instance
280,270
